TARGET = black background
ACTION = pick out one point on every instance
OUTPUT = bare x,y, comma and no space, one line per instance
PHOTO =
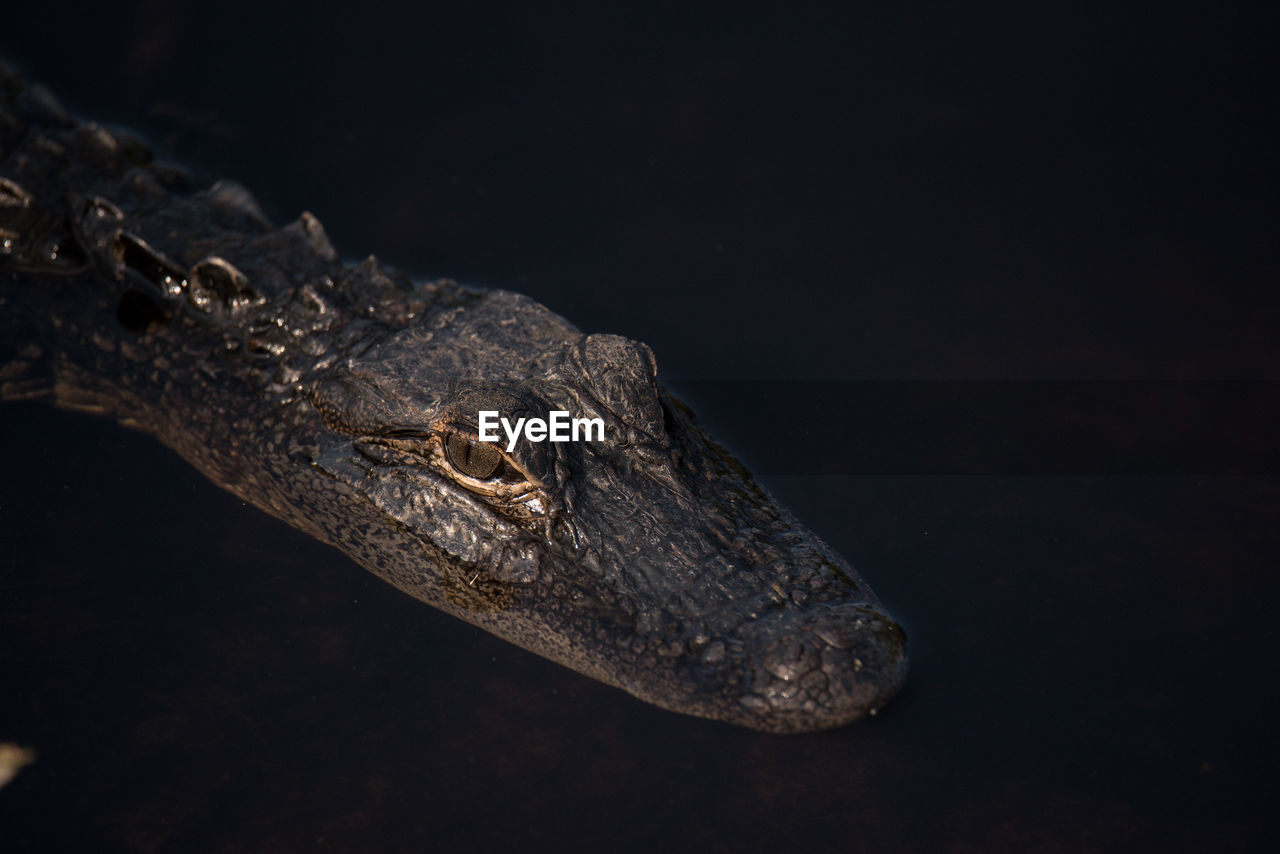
922,196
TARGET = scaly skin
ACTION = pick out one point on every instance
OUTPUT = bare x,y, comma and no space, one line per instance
326,394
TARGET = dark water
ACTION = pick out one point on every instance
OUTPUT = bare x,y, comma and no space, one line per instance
1081,192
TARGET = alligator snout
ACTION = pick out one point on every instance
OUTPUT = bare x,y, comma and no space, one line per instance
822,667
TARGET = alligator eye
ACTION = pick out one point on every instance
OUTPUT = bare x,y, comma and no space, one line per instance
474,459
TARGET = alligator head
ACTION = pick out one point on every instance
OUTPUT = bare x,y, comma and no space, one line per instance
347,402
650,559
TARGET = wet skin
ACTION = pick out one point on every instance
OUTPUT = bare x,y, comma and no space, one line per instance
344,399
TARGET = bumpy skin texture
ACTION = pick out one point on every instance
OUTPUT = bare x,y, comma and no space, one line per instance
326,394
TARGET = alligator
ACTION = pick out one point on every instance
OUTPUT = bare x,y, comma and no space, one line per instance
343,398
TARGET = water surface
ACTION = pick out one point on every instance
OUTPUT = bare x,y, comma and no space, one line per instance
907,195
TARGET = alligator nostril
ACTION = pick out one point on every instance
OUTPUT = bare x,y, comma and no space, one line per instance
790,659
842,632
